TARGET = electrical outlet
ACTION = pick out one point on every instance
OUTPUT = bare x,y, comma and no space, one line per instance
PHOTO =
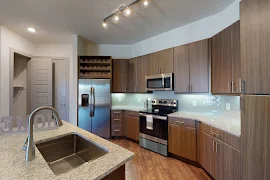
228,106
139,99
119,100
194,103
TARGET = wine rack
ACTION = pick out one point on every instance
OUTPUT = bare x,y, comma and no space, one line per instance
95,67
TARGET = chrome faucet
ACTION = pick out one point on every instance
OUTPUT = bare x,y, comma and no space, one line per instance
29,145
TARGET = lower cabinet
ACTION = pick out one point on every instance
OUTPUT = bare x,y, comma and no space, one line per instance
125,123
220,160
132,127
182,141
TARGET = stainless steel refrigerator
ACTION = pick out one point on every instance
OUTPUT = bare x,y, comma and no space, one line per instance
94,103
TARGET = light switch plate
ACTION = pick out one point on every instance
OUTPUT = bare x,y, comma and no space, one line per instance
228,106
194,103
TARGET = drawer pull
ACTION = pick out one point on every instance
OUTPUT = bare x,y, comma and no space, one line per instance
215,134
116,112
116,119
116,130
180,123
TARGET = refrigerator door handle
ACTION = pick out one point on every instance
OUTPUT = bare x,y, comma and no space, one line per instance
94,96
91,102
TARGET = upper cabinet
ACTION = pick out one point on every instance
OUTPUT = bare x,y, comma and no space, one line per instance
119,82
137,70
226,60
132,75
160,62
191,67
255,41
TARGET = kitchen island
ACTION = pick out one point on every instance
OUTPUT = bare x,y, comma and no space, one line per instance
13,165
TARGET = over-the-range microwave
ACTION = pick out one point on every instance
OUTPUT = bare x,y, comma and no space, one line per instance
160,82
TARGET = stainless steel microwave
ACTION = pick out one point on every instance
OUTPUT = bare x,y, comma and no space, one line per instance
160,82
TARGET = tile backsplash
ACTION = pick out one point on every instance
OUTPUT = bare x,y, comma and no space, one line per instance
202,103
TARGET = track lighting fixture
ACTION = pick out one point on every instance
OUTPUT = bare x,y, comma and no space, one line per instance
125,9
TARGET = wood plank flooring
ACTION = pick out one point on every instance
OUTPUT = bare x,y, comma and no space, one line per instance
147,165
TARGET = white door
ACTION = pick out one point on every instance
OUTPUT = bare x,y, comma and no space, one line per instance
60,87
41,82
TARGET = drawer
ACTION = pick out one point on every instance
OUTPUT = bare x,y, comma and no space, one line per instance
117,120
182,122
221,135
116,113
132,113
118,131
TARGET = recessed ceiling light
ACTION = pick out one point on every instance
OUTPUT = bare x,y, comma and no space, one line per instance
32,30
145,3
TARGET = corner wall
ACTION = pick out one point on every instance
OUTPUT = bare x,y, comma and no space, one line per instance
9,40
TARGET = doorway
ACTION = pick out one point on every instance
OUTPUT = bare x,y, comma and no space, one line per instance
36,82
60,87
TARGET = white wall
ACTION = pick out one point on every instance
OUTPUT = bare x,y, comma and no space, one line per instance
199,30
63,51
9,40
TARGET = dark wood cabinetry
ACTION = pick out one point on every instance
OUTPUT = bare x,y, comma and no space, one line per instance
91,67
219,159
132,124
182,139
117,124
120,69
191,67
132,75
255,40
160,62
226,60
255,141
125,123
141,73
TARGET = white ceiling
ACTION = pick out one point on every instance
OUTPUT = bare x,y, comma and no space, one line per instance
55,20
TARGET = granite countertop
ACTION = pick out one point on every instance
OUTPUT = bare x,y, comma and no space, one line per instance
228,123
128,108
13,165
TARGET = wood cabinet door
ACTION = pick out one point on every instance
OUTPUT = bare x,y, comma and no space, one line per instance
181,69
255,41
199,66
132,75
152,65
119,81
255,141
132,127
236,61
142,72
165,61
228,162
182,141
222,62
207,154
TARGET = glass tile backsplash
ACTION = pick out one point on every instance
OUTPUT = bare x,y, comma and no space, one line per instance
201,103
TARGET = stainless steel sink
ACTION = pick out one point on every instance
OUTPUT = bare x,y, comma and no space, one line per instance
68,152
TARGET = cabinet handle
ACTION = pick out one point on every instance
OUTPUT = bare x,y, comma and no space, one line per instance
233,86
116,119
229,86
126,89
116,130
242,86
180,123
214,145
217,147
191,88
215,134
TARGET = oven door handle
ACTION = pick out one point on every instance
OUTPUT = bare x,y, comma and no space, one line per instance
155,116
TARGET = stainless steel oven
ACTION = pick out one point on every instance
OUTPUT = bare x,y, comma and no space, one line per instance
160,82
154,125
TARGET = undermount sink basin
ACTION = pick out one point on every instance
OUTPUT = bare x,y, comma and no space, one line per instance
68,152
